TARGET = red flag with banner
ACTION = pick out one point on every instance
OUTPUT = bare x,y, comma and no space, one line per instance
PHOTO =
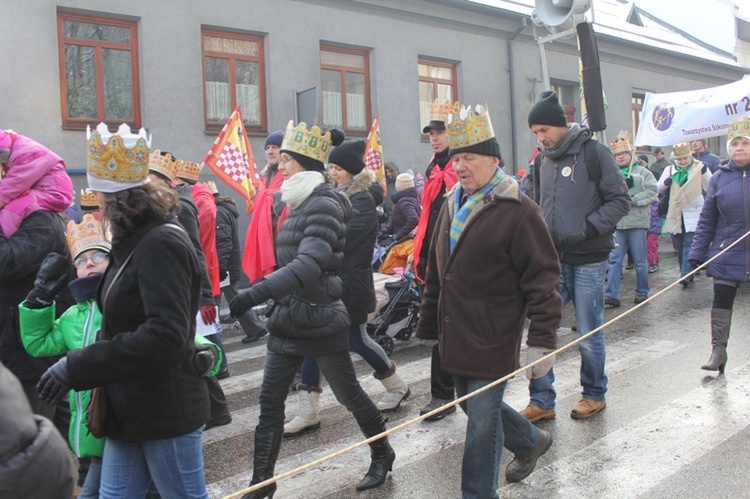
231,159
374,153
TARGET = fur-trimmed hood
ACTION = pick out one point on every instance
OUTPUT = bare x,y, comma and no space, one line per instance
361,182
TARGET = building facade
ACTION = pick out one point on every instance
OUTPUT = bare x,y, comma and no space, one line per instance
179,68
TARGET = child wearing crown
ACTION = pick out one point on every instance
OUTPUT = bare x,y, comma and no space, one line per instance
32,177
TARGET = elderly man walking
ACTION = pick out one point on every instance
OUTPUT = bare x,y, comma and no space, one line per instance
491,264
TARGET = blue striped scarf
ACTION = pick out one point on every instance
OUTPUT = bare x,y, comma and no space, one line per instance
462,214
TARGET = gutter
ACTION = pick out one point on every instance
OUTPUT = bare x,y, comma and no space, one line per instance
512,87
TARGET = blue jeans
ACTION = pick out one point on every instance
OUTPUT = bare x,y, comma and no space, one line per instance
338,369
359,343
584,285
174,464
682,243
90,489
635,241
492,425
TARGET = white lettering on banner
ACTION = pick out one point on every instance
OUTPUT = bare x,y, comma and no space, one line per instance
670,118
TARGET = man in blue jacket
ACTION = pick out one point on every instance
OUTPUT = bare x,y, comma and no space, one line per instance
583,195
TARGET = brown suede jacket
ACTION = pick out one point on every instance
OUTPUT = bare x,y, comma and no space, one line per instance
503,268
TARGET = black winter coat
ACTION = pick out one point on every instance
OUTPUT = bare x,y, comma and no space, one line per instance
34,457
361,234
40,233
309,317
149,316
227,238
406,212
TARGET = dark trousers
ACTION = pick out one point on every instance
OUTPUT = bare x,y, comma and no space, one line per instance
337,368
441,382
251,324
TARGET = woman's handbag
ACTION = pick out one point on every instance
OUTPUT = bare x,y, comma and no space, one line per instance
96,416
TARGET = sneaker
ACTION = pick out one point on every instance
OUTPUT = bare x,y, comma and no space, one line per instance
611,301
585,408
653,268
640,298
222,420
223,373
629,266
434,404
534,413
521,467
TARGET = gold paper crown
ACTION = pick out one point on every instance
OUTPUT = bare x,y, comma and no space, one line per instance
189,171
86,235
739,129
622,143
89,201
469,126
165,165
311,143
212,187
442,109
122,159
681,149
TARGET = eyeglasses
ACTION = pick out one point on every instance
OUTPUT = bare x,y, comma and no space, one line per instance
97,257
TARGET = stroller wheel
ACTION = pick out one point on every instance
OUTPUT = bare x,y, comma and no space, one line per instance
386,342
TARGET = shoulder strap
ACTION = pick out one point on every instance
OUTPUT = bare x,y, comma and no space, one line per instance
591,158
535,176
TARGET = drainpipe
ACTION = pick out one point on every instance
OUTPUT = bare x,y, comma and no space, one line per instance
511,76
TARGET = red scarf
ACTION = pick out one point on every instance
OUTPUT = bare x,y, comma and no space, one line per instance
438,177
259,257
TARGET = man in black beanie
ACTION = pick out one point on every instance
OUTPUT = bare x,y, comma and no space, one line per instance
583,195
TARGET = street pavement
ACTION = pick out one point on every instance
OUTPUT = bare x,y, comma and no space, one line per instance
669,430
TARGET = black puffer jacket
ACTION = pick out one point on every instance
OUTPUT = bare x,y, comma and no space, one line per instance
361,233
227,238
34,459
309,317
40,233
406,211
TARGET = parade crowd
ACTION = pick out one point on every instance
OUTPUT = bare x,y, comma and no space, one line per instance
110,332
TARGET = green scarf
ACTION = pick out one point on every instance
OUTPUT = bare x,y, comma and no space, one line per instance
462,214
680,176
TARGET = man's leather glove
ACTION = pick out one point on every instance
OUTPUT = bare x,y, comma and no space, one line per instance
53,275
247,299
205,358
54,383
704,169
695,263
629,182
208,314
532,355
223,274
668,181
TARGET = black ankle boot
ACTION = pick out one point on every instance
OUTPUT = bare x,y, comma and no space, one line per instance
382,456
267,445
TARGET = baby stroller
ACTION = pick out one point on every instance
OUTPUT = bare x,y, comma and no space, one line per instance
398,317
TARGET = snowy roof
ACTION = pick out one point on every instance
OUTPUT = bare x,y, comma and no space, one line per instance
612,18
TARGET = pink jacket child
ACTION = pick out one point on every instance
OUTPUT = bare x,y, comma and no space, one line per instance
32,178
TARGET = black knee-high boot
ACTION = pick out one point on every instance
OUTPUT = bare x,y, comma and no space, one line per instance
267,445
382,456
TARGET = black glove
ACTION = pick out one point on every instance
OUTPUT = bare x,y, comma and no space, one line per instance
704,169
54,383
667,181
247,299
53,275
695,263
223,274
205,359
629,182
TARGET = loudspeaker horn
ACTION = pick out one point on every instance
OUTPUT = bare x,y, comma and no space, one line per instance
559,15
